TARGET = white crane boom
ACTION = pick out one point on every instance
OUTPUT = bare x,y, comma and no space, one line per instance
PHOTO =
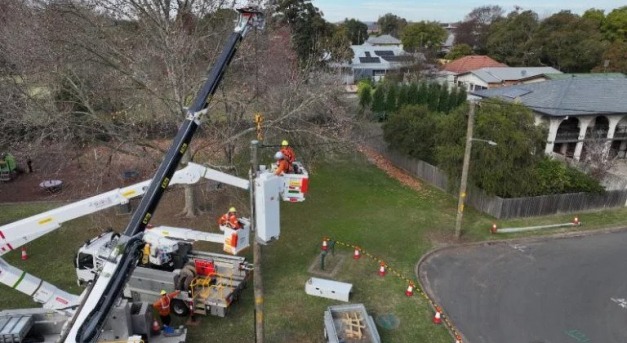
16,234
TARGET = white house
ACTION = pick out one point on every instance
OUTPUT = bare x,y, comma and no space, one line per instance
375,61
581,113
448,74
494,77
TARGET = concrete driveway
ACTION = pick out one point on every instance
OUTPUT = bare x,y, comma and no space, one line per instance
553,291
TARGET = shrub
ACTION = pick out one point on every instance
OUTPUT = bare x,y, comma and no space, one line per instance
411,131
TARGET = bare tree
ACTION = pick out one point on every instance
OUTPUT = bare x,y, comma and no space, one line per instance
597,157
120,73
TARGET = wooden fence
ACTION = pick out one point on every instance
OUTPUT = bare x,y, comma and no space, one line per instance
504,208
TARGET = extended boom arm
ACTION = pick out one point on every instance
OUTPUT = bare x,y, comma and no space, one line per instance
16,234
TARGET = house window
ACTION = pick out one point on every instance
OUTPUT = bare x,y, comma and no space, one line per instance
378,72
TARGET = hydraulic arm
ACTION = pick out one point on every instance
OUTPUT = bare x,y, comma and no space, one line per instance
16,234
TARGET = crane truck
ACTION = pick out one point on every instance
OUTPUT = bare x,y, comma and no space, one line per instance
210,282
88,315
215,283
132,317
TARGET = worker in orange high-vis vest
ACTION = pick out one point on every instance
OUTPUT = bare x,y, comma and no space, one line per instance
162,305
230,219
288,152
282,165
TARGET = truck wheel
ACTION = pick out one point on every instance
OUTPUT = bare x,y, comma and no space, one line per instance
179,307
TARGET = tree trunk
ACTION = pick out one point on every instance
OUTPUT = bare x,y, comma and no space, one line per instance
191,209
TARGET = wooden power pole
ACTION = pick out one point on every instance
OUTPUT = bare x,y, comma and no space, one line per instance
464,182
257,279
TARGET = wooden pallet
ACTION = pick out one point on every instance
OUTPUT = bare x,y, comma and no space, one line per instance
353,325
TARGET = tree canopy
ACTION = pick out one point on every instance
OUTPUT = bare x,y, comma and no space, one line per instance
423,35
614,58
410,131
474,30
356,31
510,39
615,25
569,42
391,24
459,50
310,32
512,168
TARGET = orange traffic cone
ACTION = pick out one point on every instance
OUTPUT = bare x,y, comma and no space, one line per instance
382,269
576,221
24,254
410,290
156,328
357,253
324,245
437,319
494,228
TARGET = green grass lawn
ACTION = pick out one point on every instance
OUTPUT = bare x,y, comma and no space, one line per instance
351,202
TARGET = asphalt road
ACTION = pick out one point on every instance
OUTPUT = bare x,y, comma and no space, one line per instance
568,290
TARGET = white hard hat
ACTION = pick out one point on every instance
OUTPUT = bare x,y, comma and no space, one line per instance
278,155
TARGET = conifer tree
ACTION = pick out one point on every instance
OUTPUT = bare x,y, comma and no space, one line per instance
391,98
378,102
402,99
412,94
433,96
423,94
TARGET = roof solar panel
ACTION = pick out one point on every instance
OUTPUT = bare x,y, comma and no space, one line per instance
384,52
369,60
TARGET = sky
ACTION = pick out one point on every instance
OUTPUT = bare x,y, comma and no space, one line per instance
448,11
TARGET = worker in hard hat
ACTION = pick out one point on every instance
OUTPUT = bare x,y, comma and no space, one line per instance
230,220
288,152
282,165
162,305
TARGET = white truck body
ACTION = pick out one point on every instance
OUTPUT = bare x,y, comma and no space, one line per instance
170,249
129,323
207,296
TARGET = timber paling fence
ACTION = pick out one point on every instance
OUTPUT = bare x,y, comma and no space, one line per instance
505,208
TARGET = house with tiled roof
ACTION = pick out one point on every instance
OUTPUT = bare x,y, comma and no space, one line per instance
494,77
447,75
468,63
580,112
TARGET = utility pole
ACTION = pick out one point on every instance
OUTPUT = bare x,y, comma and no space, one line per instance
257,280
464,181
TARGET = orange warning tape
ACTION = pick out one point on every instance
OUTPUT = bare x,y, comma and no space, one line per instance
389,269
